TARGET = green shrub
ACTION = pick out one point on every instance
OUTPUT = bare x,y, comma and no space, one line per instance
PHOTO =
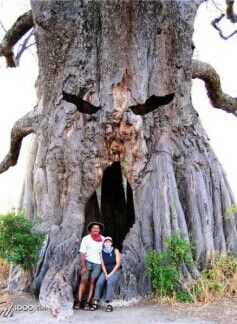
178,250
163,274
19,242
229,211
165,267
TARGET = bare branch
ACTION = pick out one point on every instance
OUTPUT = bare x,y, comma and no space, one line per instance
23,127
3,26
216,6
218,98
25,45
230,14
199,2
232,34
215,23
19,28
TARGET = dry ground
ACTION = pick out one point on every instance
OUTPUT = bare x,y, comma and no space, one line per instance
222,311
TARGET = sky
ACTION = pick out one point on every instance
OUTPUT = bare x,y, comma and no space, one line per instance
17,96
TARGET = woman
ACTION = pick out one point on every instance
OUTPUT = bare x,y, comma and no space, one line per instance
111,266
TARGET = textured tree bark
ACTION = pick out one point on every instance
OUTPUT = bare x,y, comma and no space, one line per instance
115,55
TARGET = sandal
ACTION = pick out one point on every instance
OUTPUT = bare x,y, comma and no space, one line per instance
77,304
94,307
109,308
87,306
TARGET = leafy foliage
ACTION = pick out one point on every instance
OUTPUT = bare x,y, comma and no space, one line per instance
219,278
19,242
230,210
164,267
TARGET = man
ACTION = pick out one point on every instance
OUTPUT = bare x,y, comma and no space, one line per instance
91,246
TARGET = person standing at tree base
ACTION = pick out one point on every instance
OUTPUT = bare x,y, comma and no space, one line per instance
91,246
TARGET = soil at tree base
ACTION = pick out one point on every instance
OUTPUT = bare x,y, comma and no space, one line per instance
150,311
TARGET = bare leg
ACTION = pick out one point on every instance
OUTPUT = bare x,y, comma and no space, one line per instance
81,288
91,290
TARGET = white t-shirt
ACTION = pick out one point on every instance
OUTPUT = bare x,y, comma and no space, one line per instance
91,248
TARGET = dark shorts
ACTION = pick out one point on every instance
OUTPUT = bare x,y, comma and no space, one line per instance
93,270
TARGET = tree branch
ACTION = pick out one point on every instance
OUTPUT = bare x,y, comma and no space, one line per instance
25,45
199,2
3,27
216,5
230,14
23,127
218,98
19,28
215,23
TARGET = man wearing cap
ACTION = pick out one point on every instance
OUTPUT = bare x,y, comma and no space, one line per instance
91,246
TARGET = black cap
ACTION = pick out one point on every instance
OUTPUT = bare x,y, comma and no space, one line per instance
89,226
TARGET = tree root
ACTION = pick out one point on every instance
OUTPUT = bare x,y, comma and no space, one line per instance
57,288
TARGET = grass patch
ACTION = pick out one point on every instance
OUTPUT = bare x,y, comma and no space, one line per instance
219,279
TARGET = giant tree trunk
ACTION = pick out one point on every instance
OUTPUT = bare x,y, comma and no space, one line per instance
162,176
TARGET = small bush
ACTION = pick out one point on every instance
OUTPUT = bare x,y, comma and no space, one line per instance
178,250
19,242
163,274
229,211
165,267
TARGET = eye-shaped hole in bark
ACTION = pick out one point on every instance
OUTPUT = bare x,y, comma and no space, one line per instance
82,105
151,104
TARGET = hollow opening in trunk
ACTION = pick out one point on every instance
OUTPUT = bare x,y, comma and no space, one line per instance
151,104
112,205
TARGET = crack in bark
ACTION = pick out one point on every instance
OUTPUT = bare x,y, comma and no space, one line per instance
22,127
218,98
13,35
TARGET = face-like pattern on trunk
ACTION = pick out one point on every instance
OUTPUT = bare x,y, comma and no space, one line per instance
123,134
116,62
110,83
